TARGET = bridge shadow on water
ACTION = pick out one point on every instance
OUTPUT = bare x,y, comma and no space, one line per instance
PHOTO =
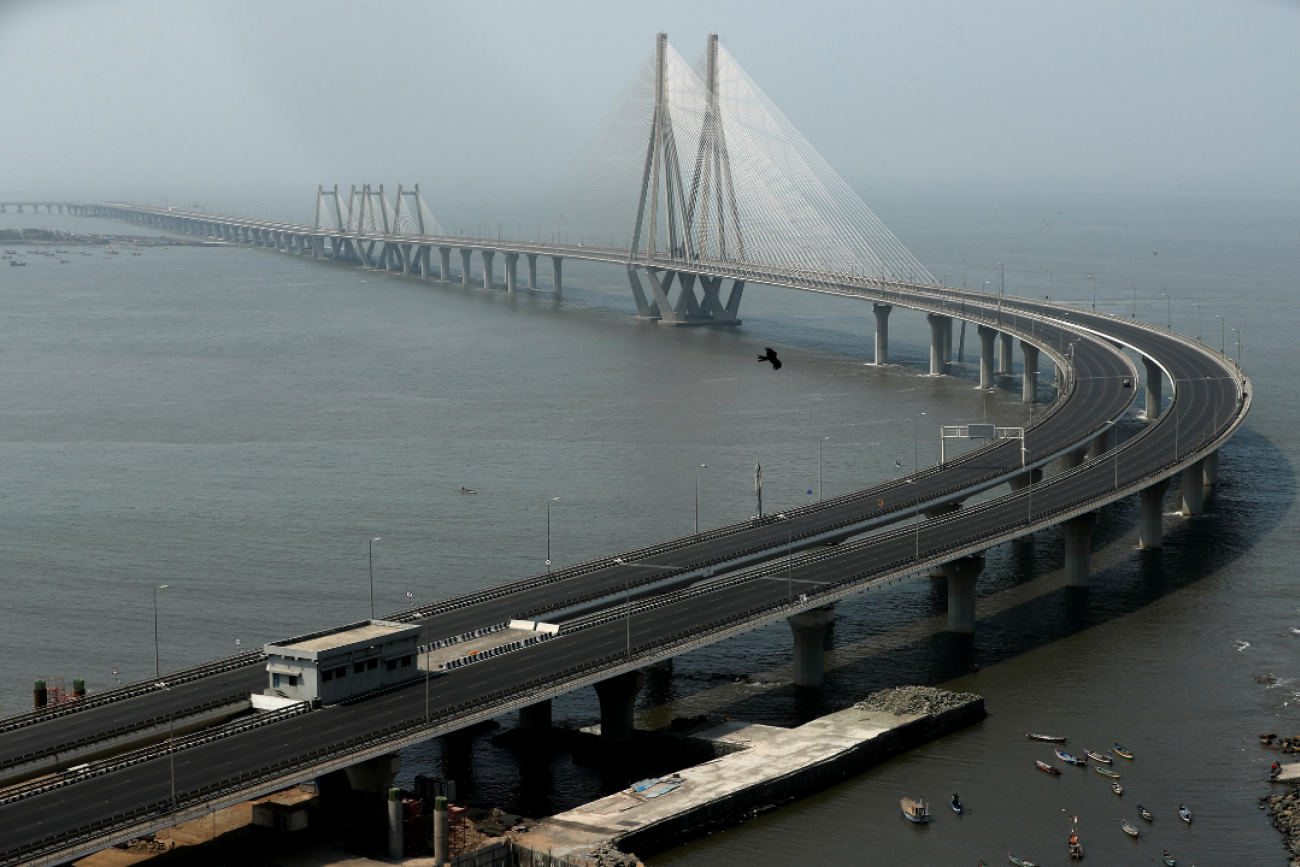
893,638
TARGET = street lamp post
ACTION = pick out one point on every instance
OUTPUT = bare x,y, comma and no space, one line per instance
1169,310
155,626
1003,291
548,532
697,497
821,442
1238,333
1094,293
1223,324
627,590
916,448
372,576
1135,300
1049,282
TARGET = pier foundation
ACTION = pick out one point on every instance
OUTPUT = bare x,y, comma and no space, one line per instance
809,628
557,286
536,717
512,272
882,332
617,700
532,271
1078,548
1154,377
938,334
1151,529
1005,350
444,261
464,266
1211,462
1030,392
962,574
488,278
1193,488
988,336
374,775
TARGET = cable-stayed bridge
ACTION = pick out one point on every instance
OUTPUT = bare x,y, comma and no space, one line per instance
692,180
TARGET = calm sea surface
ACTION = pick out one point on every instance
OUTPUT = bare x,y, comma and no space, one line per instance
237,424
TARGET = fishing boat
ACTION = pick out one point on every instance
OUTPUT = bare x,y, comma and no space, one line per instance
955,803
1169,859
1128,829
17,264
1145,813
1098,757
1105,772
981,862
1116,787
1184,814
1123,753
1069,759
915,811
1020,862
1051,739
1046,768
1075,847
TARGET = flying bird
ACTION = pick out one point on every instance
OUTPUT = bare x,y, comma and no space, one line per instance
770,355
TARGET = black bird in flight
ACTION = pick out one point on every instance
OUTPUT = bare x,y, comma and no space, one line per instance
770,355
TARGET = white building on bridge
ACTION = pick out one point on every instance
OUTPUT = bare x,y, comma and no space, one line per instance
338,664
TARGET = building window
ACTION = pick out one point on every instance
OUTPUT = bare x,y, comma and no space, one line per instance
327,675
392,665
406,661
341,671
293,680
372,664
275,680
358,667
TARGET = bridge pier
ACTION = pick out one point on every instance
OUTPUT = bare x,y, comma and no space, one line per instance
1030,392
426,267
444,261
374,775
947,342
465,254
1078,548
1193,488
1100,444
536,717
882,332
557,286
809,628
1151,529
489,280
617,701
938,334
1154,377
962,574
1211,462
1005,351
532,271
1073,458
1021,481
512,272
988,336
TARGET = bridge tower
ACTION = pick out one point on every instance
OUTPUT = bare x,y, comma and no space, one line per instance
702,223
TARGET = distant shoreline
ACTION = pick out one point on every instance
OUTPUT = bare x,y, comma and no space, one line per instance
46,237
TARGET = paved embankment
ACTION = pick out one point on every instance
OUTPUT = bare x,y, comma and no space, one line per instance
765,766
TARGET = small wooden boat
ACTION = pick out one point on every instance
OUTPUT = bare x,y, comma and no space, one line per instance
1075,847
981,863
1123,753
1046,768
1097,757
1020,862
1169,859
915,811
1105,772
1069,759
1116,787
1145,813
1051,739
955,803
1184,814
1128,829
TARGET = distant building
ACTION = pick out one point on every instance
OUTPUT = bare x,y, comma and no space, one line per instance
338,664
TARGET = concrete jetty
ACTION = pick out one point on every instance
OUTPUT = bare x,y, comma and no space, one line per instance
758,768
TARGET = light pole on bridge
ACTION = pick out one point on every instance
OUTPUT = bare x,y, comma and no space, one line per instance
548,531
697,497
821,442
372,576
155,626
1094,293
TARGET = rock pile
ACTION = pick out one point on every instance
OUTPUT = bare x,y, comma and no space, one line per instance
608,855
1285,810
915,700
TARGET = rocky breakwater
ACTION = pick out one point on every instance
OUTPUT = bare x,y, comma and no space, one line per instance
1284,808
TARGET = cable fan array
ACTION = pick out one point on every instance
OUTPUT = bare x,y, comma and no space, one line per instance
694,163
369,211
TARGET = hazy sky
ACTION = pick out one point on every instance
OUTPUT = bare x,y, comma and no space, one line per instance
484,104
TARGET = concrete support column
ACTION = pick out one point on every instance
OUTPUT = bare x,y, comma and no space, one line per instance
1151,529
961,575
555,274
988,336
441,832
395,835
374,775
617,699
1211,462
882,332
947,341
444,262
938,333
408,254
512,272
1078,548
489,279
426,268
532,271
464,266
809,629
1030,393
1004,354
1100,444
1021,481
1154,378
535,716
1073,458
1193,488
